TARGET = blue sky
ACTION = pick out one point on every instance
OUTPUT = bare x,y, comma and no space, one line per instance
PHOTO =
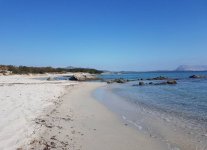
104,34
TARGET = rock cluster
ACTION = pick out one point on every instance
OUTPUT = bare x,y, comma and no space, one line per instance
158,78
168,82
117,81
83,77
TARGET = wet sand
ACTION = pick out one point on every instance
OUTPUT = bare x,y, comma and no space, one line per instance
79,121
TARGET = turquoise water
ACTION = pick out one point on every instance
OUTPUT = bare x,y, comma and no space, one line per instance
145,75
187,99
163,112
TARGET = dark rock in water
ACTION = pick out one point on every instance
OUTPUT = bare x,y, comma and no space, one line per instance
141,83
110,81
196,76
118,81
171,82
158,78
67,76
168,82
73,78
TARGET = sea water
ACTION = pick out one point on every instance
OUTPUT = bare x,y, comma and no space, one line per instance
183,106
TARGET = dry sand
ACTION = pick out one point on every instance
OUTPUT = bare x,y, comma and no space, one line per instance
22,100
79,122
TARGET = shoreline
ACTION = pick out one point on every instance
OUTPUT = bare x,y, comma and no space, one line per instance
170,130
68,115
81,122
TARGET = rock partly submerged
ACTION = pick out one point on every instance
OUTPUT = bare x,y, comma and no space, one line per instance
171,82
121,80
168,82
117,81
158,78
197,77
141,83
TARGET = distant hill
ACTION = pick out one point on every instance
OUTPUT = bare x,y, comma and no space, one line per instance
192,68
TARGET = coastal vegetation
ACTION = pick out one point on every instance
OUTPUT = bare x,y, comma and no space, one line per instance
42,70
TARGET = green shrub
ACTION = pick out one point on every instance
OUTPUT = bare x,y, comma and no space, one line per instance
42,70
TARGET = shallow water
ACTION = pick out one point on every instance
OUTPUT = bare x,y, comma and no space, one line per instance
182,107
187,99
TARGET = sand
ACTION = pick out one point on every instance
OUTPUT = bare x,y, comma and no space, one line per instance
80,122
41,114
22,100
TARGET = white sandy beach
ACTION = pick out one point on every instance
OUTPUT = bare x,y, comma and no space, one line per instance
81,122
22,99
40,114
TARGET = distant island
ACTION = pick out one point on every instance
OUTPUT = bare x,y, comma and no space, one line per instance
192,68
